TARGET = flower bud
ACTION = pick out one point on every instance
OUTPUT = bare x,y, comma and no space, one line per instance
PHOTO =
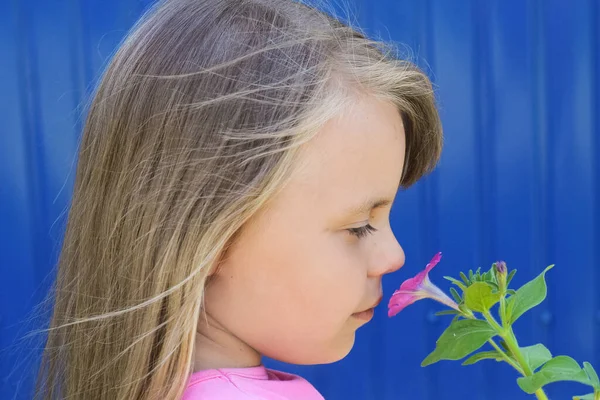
501,272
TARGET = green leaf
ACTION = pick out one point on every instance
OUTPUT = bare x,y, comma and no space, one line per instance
494,355
479,297
584,397
507,351
461,338
560,368
471,275
510,276
456,282
465,310
587,367
511,292
536,355
464,278
447,312
489,277
455,294
528,296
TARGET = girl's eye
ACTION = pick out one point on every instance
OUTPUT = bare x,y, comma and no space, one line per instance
362,231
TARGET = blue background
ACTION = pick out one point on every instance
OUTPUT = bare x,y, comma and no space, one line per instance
519,89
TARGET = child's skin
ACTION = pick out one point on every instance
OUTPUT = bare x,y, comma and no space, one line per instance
290,285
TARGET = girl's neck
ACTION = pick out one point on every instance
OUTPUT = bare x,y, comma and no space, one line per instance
215,348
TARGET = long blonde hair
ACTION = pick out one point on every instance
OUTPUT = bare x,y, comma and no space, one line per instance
195,124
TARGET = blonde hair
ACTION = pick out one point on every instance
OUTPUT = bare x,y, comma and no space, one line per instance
195,124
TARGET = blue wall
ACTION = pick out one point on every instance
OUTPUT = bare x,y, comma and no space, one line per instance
519,179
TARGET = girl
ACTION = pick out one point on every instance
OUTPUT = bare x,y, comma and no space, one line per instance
235,177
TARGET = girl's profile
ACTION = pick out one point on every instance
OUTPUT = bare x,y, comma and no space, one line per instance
234,181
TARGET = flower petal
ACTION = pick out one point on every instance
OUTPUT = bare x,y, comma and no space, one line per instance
433,292
399,302
417,288
414,283
436,259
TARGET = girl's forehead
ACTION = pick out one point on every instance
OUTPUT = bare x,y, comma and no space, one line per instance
358,155
368,141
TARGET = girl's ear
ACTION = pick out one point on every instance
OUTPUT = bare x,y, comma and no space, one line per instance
221,261
216,267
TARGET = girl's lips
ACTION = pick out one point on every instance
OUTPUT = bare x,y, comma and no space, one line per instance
368,313
364,315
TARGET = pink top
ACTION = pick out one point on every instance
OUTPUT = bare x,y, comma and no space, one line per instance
248,383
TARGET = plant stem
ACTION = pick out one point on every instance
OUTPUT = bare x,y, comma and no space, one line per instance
506,357
503,310
511,342
498,349
507,334
492,321
540,395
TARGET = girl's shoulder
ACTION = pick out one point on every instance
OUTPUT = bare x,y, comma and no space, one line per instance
249,383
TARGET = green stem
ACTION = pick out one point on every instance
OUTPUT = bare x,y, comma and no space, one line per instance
492,321
498,349
507,334
511,342
503,310
506,357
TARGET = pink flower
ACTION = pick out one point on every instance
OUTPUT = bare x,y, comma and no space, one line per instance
417,288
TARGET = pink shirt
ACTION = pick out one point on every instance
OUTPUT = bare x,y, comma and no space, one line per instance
248,383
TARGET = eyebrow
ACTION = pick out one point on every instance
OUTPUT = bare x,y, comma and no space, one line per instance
368,205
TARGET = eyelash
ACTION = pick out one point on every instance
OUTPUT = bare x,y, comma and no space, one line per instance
362,231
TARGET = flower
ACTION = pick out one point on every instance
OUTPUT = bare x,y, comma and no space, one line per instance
500,267
500,271
417,288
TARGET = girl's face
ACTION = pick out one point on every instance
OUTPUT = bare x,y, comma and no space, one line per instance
291,285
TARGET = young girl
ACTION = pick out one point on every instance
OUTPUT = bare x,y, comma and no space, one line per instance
232,198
